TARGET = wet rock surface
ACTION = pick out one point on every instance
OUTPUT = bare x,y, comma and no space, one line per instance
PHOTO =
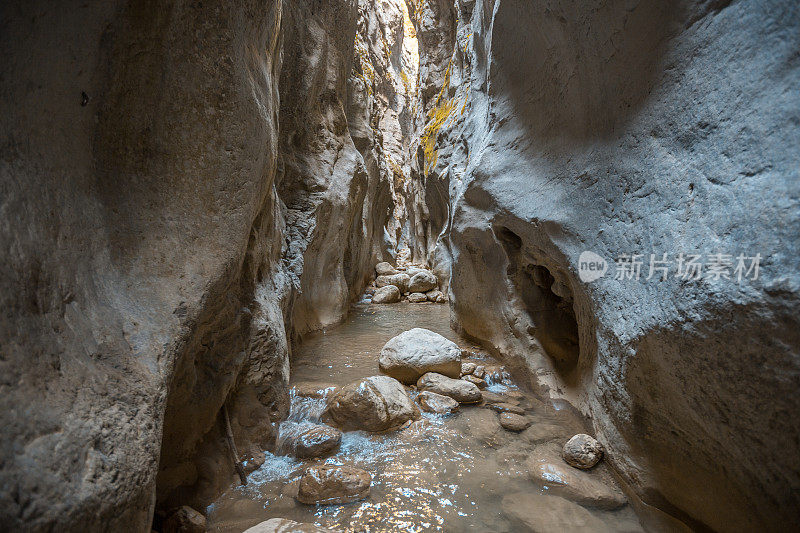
545,514
514,422
418,351
377,403
185,520
317,441
458,389
582,451
430,402
332,484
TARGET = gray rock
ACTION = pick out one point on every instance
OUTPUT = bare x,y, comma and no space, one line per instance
458,389
417,298
467,368
401,281
388,294
582,451
435,296
422,281
385,269
377,403
479,372
411,354
333,485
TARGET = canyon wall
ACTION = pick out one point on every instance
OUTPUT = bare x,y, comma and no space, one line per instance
627,128
181,196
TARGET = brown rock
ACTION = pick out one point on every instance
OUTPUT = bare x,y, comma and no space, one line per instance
477,381
318,441
530,512
417,298
479,372
467,368
582,451
458,389
333,484
377,403
505,407
432,402
185,520
385,269
388,294
513,422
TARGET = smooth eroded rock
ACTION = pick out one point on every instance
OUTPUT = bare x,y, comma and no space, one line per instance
458,389
377,403
422,281
388,294
582,451
333,484
513,422
385,269
586,488
417,298
435,296
411,354
531,512
506,407
431,402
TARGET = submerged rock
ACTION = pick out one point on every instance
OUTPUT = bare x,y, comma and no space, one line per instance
545,514
385,269
333,484
388,294
417,298
586,488
514,422
458,389
582,451
185,520
505,407
399,280
284,525
377,403
431,402
317,441
422,281
417,351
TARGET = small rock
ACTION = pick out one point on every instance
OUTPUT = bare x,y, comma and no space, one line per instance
333,485
422,281
582,451
415,352
400,281
507,408
542,514
185,520
477,381
284,525
385,269
467,368
369,291
496,374
435,296
388,294
479,372
318,441
377,403
458,389
430,402
254,462
417,298
513,422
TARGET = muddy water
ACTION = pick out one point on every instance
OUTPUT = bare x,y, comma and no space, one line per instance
438,474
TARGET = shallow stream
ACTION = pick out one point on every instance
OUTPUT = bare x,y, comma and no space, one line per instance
438,474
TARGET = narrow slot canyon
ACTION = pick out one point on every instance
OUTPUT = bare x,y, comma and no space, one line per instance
400,265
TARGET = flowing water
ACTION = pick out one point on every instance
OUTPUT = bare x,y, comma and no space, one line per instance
437,474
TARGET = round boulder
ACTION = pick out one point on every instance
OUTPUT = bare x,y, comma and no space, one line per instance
388,294
430,402
582,451
385,269
377,403
417,351
422,281
333,485
458,389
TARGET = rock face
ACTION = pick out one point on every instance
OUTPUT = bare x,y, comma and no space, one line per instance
411,354
388,294
458,389
430,402
377,403
582,451
638,138
333,484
